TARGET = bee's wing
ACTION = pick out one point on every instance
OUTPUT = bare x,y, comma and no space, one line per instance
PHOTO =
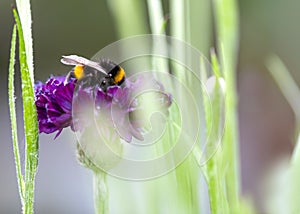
75,60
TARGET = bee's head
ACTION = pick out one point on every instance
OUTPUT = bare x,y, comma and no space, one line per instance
105,83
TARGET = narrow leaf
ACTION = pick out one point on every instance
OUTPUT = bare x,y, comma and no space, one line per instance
30,122
12,110
156,16
226,16
285,82
215,63
24,10
291,91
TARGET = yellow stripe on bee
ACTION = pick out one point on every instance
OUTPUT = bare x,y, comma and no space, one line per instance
78,71
120,76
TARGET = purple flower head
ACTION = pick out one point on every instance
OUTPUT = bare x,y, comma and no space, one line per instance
60,105
54,104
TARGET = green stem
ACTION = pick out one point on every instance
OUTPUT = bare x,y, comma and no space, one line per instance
285,82
129,17
158,25
187,177
213,103
30,122
200,25
227,34
291,91
178,24
178,27
156,16
24,10
101,195
213,186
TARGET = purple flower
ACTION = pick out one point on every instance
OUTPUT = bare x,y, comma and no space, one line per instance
61,105
54,104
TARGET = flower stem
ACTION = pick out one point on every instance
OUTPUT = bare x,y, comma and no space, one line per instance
226,16
285,82
126,25
29,118
213,186
100,192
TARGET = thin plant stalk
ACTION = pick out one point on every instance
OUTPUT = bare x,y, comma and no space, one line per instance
291,91
199,25
294,176
30,122
156,16
158,25
24,10
285,82
226,16
129,17
100,192
178,30
177,16
214,120
185,175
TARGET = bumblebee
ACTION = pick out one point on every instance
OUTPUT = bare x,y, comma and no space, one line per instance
104,73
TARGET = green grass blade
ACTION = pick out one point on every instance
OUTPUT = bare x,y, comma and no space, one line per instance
24,10
294,184
291,92
214,111
177,16
178,30
158,26
100,192
200,25
30,122
285,82
215,64
156,16
13,118
226,16
129,17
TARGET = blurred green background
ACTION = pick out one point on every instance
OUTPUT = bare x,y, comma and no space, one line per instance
83,28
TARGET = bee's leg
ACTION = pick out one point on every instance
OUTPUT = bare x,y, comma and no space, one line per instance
68,77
